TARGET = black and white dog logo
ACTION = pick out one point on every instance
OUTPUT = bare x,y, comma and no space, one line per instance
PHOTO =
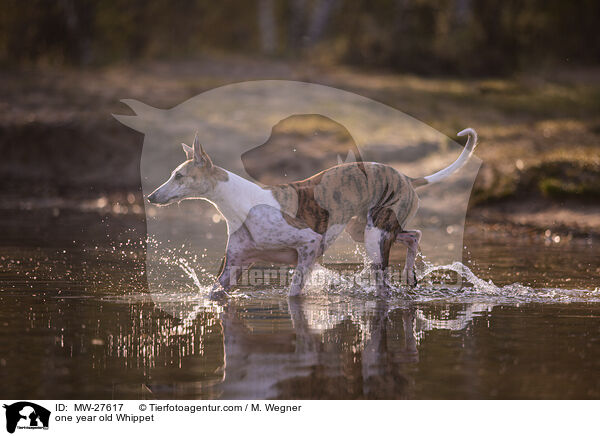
26,415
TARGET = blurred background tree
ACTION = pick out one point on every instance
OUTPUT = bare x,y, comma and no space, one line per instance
424,36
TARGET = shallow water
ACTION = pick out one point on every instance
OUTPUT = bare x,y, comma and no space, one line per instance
76,321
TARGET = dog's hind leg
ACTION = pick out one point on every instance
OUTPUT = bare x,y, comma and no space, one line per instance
411,239
307,254
380,234
377,246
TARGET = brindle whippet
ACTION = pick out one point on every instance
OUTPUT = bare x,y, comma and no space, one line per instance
295,223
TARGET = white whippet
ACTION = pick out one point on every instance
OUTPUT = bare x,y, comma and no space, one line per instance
295,223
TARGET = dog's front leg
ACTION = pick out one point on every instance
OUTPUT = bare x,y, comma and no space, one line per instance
232,270
411,239
306,260
235,260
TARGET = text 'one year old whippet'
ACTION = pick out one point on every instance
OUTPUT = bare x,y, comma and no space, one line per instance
295,223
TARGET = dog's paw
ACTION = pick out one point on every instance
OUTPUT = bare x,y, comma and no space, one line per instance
295,294
384,290
218,295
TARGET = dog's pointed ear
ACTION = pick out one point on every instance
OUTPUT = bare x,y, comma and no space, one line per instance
350,157
200,156
189,151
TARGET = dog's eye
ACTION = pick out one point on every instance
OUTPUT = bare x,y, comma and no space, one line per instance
178,176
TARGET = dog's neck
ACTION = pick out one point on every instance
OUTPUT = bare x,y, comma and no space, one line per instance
235,197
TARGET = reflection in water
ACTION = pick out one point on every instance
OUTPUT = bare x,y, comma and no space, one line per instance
323,347
448,320
78,325
333,349
369,356
256,348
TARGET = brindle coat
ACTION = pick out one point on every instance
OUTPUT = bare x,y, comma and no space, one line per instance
372,201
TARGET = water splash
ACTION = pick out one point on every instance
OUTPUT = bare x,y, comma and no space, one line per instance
353,282
480,289
472,288
191,273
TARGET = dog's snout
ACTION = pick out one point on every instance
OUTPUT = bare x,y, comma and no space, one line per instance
152,197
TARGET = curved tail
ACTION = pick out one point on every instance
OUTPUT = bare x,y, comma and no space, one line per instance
456,165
